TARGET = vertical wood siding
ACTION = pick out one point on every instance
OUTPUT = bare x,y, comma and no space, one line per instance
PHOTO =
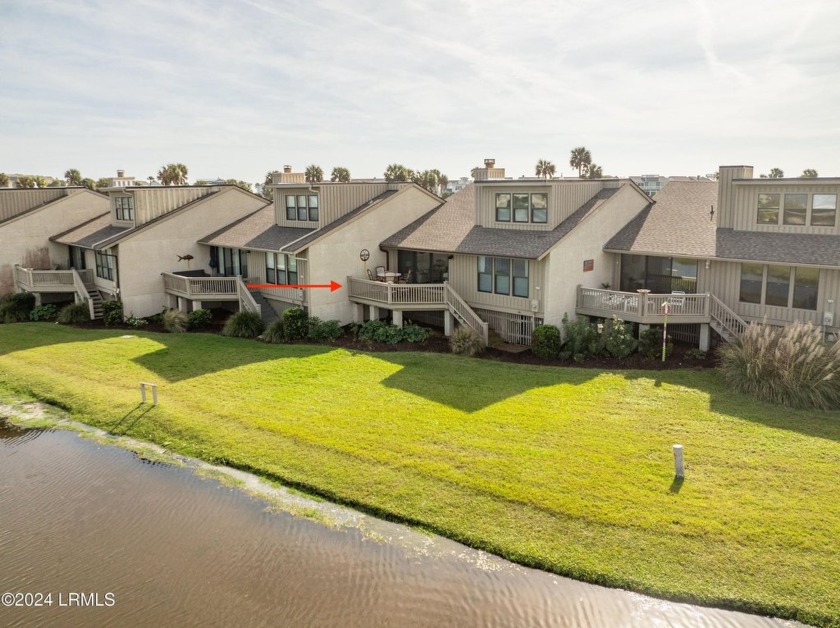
333,201
463,277
153,202
745,205
564,197
17,201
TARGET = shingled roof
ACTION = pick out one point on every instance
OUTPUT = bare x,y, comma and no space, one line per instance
88,234
451,228
255,231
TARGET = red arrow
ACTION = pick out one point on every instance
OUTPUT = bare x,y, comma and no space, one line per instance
332,285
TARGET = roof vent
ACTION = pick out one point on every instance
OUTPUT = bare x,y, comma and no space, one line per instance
120,173
489,163
287,169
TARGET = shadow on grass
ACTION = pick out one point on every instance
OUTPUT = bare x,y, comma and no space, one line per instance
676,485
24,336
128,420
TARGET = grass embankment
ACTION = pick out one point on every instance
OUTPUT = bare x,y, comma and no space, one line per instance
568,470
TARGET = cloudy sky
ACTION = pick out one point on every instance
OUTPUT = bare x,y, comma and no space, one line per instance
237,88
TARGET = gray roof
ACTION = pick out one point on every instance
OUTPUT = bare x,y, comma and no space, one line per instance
679,224
451,228
255,231
88,234
301,244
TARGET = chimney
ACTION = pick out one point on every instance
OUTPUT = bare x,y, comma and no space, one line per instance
489,171
120,173
726,192
287,176
287,169
489,163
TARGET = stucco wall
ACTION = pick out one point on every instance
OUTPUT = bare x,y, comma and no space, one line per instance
143,257
25,240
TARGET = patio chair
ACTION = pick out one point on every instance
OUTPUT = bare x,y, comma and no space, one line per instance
405,278
677,301
370,275
380,273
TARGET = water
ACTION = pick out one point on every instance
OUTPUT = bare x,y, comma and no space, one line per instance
175,548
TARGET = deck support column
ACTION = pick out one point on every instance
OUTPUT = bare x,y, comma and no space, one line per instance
37,299
705,337
642,329
172,301
358,313
448,323
374,313
194,305
183,304
397,315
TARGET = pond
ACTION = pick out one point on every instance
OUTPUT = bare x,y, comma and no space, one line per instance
114,539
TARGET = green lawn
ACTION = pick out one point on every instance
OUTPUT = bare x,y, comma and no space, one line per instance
569,470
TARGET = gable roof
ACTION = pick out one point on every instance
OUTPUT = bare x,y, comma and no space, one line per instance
451,228
255,231
89,233
679,224
57,196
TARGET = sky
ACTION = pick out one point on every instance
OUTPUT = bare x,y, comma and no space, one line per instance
237,88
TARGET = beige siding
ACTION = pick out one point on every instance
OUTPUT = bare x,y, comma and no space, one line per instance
25,240
745,199
149,203
144,256
334,201
256,271
17,201
564,265
463,277
564,197
726,203
724,281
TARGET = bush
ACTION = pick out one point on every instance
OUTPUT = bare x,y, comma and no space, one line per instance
380,331
44,313
414,333
617,338
276,332
695,354
134,321
580,339
175,321
75,313
244,325
199,319
324,331
465,341
295,323
546,341
650,344
112,312
789,366
16,308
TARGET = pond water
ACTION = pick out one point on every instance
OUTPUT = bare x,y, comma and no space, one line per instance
154,544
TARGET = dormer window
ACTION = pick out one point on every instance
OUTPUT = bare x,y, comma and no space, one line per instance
302,207
125,207
522,207
794,209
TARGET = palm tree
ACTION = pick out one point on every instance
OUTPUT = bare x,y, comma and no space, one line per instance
340,174
172,174
40,181
151,180
89,183
776,173
427,179
808,173
26,182
397,172
73,176
240,184
102,183
593,171
545,168
580,159
444,183
314,174
4,180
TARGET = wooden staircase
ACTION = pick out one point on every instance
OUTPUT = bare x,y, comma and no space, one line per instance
725,321
267,312
96,299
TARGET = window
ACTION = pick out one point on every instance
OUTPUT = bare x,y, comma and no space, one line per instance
781,286
824,210
796,206
270,270
106,265
232,262
768,209
302,207
280,269
502,275
503,207
522,207
660,275
125,207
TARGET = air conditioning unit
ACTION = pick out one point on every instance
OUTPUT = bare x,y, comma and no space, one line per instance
535,305
828,319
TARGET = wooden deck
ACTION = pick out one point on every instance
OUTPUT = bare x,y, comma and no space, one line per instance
645,308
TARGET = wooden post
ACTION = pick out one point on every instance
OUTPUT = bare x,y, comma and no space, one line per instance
143,392
679,466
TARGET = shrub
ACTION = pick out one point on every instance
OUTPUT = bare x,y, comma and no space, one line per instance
412,332
295,322
617,338
46,312
380,331
650,344
75,313
16,308
580,339
789,366
324,331
174,321
112,312
546,341
276,332
465,341
199,319
135,321
244,325
695,354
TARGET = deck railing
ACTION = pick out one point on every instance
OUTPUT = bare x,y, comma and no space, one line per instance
198,287
83,293
643,307
55,280
246,299
465,313
726,317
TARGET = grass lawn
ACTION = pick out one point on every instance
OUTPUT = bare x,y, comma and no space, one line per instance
569,470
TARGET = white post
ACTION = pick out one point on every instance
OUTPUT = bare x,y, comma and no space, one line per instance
398,318
448,323
705,337
142,393
679,466
154,394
